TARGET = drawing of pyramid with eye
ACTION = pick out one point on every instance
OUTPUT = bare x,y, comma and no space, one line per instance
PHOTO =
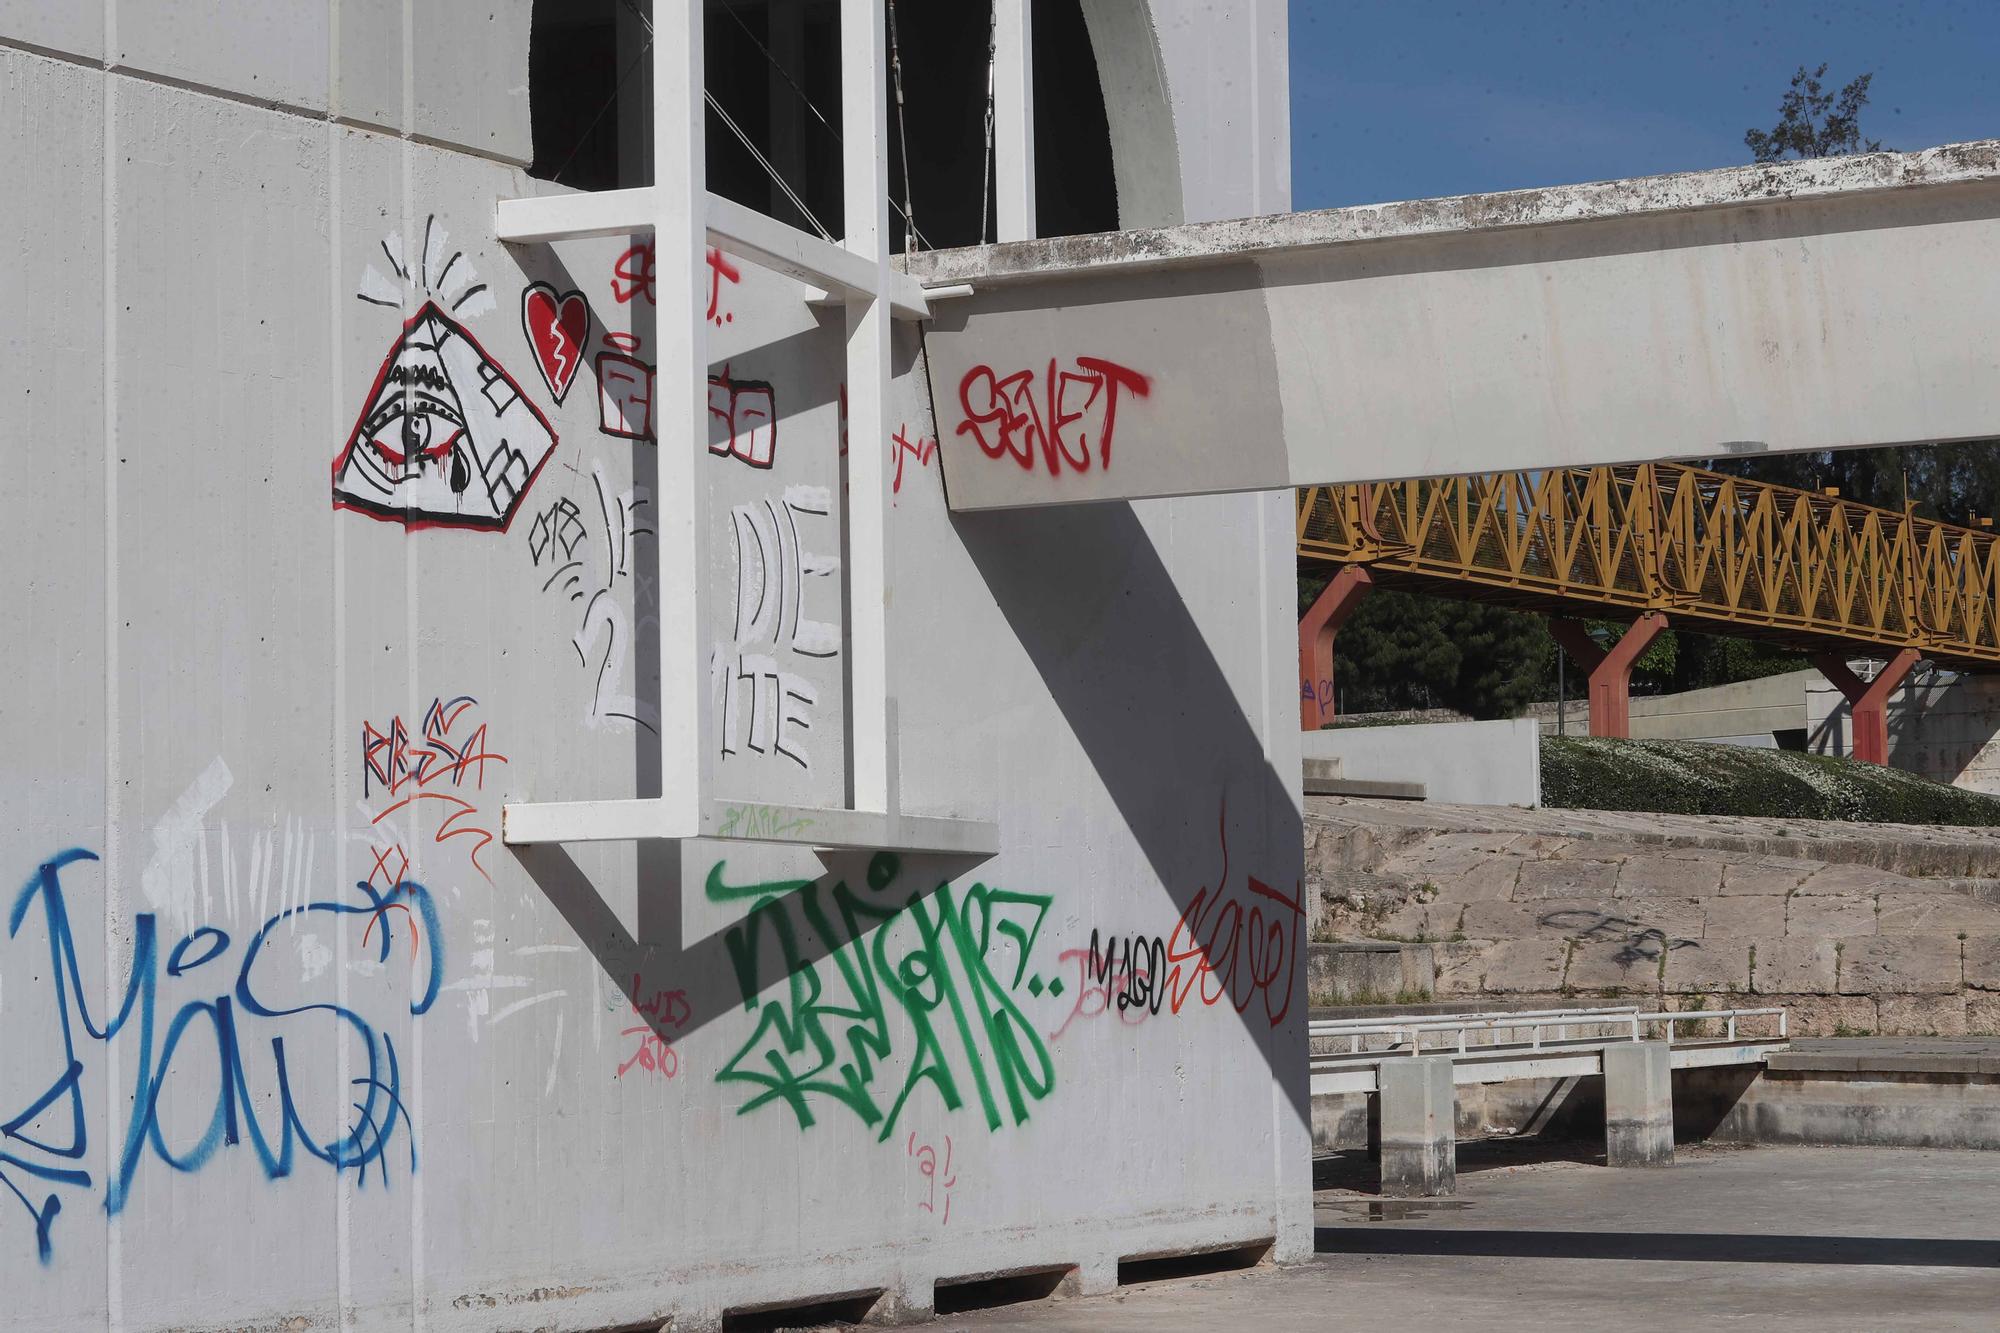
446,439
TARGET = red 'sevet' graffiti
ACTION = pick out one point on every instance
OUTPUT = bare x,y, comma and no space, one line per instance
1229,947
633,277
899,445
655,1053
1057,420
937,1174
410,772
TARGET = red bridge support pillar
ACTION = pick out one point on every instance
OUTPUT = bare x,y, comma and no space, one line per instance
1610,672
1868,701
1317,627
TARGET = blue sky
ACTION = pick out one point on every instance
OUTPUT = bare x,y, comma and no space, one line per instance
1403,99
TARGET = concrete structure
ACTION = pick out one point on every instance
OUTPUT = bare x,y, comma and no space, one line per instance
289,1034
1608,670
1419,1153
1638,1104
1459,763
1767,713
1782,303
1944,726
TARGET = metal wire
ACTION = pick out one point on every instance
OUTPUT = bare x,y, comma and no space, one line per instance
992,59
765,163
909,210
909,220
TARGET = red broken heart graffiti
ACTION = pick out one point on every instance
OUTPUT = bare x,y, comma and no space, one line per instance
558,328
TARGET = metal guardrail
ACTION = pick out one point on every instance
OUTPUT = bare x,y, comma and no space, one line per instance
1409,1031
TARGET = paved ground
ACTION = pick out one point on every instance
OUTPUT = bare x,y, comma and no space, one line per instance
1765,1238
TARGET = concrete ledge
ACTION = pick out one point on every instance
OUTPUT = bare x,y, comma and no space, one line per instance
1867,1055
1365,789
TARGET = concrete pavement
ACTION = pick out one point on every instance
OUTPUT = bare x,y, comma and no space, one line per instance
1775,1238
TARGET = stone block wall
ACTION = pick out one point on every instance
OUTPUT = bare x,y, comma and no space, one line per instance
1681,912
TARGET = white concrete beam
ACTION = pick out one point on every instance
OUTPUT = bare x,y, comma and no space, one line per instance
1813,305
735,230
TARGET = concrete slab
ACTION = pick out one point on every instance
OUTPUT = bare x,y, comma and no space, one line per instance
1790,1240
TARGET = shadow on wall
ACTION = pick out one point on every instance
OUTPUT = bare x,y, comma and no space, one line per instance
1103,620
890,972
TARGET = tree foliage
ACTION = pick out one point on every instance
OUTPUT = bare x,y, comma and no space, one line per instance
1815,123
1408,650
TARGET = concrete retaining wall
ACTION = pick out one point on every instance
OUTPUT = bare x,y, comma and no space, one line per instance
1463,763
1516,909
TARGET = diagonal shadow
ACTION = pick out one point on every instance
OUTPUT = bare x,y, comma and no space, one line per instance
1087,595
1667,1246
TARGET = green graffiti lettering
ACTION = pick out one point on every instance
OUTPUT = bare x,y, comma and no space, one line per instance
933,959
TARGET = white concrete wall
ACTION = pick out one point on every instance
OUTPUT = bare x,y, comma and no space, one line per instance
286,1033
1459,763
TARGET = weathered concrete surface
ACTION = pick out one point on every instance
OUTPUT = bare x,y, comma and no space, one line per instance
1638,1104
1855,928
1369,972
1418,1123
1795,1240
1783,306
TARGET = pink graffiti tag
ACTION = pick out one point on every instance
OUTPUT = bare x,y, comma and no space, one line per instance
929,1167
899,445
1014,417
655,1053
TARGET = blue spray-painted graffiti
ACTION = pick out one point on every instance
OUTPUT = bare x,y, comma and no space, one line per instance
36,1152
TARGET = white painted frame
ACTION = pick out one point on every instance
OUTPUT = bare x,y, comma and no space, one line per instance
855,272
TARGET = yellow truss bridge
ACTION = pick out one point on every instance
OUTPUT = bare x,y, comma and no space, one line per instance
1654,543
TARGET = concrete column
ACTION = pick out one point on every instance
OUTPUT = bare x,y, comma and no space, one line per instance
1013,121
1868,701
1638,1104
1419,1147
1610,672
1335,603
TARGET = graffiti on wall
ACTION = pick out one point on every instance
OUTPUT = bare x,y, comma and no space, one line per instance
441,770
917,991
633,279
743,414
937,1174
227,1047
1233,945
583,551
445,437
743,419
1055,421
660,1011
900,448
557,326
763,707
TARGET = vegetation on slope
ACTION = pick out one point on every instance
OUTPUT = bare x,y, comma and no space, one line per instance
1697,778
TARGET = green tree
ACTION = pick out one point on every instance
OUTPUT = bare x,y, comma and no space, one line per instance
1408,650
1815,123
